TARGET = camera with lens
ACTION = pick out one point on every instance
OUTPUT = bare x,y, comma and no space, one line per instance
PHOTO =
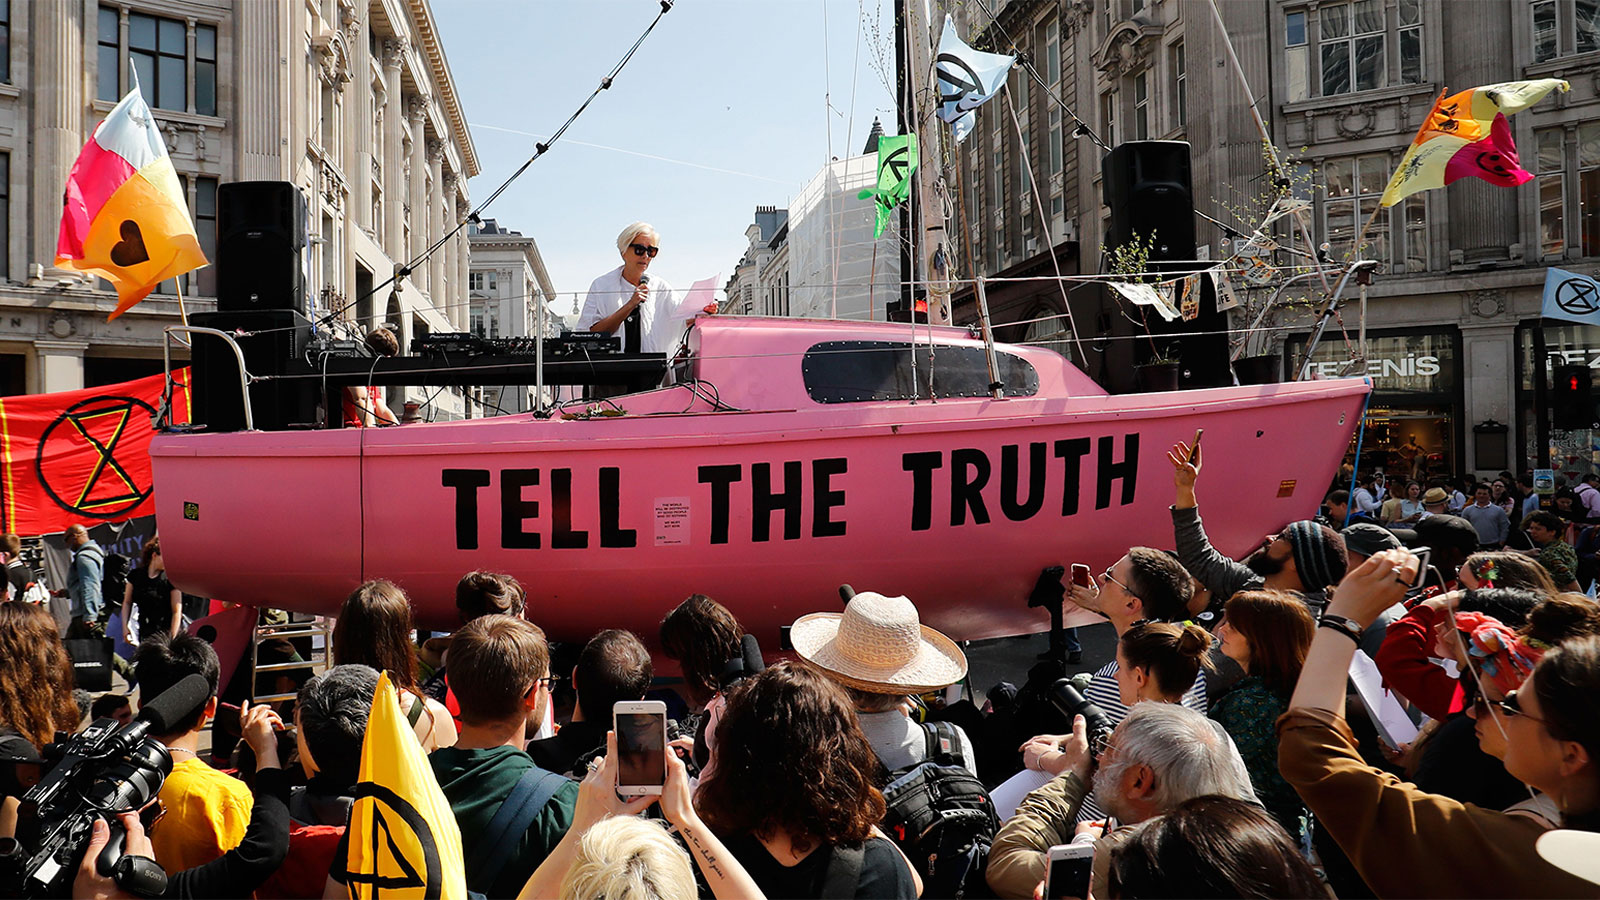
1069,701
101,772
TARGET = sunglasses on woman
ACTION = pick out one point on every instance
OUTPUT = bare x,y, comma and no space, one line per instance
642,250
1512,706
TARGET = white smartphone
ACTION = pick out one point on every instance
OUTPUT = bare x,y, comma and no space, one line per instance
641,727
1068,871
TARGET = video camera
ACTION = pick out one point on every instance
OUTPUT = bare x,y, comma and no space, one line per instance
102,771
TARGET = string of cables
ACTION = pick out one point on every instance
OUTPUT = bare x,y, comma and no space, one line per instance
540,149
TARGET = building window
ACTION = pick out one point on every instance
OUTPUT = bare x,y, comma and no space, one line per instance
1141,106
1052,52
5,215
475,281
1552,194
1180,87
5,41
1545,45
475,319
1586,14
1547,15
159,51
203,282
1353,187
108,66
1589,186
1108,117
205,70
1294,39
1410,41
1416,213
1351,47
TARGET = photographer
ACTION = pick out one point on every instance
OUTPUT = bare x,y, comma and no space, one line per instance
242,869
1159,756
1408,843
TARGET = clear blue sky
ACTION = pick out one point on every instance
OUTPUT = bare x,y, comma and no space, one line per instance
721,110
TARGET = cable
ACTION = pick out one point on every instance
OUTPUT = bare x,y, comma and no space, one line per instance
539,150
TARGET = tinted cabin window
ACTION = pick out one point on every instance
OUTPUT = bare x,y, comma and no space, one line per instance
853,371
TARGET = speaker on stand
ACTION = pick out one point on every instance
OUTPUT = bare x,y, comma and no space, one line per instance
1148,186
261,288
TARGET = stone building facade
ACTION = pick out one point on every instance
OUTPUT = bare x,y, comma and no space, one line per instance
1343,87
351,101
506,285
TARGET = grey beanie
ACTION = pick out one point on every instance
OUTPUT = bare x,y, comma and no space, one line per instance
1316,550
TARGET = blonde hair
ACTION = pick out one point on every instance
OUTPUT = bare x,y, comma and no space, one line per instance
633,231
629,858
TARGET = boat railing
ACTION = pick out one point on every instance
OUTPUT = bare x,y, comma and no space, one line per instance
163,417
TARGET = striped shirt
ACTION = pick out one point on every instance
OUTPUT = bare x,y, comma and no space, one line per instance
1102,692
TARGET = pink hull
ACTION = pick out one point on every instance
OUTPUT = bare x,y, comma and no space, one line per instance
611,522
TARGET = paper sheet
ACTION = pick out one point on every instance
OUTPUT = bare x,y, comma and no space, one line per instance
1011,792
1394,726
698,296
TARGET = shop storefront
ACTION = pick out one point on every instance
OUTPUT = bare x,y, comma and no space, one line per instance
1572,452
1413,418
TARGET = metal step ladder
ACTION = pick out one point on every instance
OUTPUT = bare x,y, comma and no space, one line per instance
297,628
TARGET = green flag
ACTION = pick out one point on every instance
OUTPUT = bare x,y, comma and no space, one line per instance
897,160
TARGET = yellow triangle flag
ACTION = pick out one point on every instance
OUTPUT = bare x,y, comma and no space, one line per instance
403,838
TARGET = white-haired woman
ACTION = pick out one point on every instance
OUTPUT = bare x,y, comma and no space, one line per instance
629,301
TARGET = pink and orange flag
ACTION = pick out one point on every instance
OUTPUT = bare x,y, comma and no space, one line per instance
123,216
1467,134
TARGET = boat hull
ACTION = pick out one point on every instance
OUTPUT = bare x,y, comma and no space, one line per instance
612,522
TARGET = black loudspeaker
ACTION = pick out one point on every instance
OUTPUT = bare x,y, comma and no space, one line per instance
1148,187
281,335
261,243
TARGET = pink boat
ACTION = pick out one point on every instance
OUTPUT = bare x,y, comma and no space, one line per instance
783,462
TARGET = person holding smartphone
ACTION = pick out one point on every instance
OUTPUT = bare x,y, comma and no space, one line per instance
1407,843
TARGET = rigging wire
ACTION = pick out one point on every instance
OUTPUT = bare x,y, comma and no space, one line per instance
539,150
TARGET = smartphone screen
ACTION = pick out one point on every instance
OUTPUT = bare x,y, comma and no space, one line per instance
641,746
1080,574
1069,876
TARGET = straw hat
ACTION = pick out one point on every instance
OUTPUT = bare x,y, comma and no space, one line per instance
878,645
1435,495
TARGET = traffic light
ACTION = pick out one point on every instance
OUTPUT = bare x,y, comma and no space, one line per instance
1572,398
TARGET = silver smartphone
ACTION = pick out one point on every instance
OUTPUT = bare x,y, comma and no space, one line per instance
1068,872
641,727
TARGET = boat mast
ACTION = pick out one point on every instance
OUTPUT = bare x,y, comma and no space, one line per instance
929,211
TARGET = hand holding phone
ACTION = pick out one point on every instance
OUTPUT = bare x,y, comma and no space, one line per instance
1080,574
641,729
1194,449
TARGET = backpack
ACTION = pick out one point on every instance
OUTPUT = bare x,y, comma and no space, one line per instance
113,577
942,818
34,591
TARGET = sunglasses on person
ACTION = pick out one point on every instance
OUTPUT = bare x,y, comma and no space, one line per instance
1512,707
642,250
1106,576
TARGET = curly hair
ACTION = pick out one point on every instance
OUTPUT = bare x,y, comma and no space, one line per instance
790,738
701,635
36,679
374,629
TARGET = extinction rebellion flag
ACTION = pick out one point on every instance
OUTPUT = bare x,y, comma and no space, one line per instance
80,456
967,79
897,160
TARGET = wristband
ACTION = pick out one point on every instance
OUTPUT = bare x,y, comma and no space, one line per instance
1347,627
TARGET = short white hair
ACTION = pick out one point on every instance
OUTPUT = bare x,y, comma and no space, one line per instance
633,231
1190,754
629,858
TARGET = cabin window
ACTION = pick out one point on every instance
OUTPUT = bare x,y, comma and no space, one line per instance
856,371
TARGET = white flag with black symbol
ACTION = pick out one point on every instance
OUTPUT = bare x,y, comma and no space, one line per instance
967,78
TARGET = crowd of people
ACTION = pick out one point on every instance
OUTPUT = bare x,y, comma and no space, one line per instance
1215,753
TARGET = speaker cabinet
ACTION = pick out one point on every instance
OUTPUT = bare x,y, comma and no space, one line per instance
1147,185
261,243
276,405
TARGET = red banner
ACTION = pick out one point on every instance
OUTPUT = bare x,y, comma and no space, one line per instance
80,456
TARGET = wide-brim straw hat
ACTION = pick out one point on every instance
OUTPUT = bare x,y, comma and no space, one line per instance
1435,495
879,645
